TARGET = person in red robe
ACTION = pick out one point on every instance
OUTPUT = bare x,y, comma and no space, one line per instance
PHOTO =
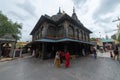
61,54
67,57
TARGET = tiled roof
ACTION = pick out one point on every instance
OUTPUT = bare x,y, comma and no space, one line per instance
57,17
107,40
7,37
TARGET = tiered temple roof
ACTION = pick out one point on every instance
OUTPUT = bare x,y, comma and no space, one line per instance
58,18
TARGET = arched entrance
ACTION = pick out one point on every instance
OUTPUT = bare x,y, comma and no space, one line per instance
7,45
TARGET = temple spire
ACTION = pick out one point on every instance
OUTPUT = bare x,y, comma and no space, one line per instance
74,16
59,11
73,9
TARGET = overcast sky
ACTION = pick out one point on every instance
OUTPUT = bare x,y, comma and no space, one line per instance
96,15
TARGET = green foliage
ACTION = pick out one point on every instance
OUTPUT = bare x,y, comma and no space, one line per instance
8,27
92,39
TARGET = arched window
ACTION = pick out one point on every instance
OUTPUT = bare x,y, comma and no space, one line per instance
60,31
87,36
42,31
39,33
51,32
77,34
37,36
84,36
81,34
70,31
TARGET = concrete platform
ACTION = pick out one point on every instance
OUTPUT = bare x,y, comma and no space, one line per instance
84,68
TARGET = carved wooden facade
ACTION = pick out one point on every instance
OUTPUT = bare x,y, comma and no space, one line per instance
64,29
58,27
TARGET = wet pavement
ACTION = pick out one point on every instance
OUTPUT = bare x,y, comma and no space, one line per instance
83,68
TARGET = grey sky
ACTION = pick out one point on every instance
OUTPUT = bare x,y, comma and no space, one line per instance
96,15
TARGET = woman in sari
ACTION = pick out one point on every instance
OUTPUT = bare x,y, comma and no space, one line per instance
67,57
57,60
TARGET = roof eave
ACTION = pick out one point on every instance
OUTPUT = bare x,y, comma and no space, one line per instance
41,20
67,17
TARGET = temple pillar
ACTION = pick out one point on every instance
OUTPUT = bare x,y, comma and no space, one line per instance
66,29
46,29
65,47
76,34
43,50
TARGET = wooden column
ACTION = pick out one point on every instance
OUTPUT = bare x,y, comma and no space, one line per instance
66,29
65,47
43,51
76,49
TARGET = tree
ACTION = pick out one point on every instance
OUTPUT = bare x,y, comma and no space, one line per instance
93,39
9,27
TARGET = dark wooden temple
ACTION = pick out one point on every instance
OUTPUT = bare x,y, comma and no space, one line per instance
60,32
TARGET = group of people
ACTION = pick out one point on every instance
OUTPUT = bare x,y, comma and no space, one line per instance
60,56
113,54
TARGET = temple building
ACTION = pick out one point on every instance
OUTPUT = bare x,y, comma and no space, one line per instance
60,32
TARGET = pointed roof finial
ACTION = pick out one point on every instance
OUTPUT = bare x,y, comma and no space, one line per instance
74,16
73,9
63,12
59,10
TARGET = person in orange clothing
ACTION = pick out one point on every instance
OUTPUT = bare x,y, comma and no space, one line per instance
67,57
57,60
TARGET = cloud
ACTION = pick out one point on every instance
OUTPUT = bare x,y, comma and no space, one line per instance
106,6
17,16
27,6
96,15
79,3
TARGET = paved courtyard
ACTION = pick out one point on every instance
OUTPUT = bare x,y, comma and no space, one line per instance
104,54
84,68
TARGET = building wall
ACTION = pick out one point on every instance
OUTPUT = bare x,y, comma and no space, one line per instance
65,29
